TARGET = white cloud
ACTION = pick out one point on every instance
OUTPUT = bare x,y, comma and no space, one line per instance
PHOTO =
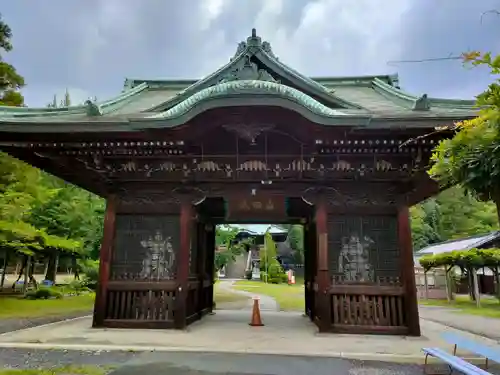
94,46
210,10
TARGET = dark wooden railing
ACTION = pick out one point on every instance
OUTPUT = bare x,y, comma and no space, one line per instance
368,307
136,304
150,304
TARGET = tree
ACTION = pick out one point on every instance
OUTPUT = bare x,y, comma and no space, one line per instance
452,214
66,102
10,81
227,245
296,241
471,156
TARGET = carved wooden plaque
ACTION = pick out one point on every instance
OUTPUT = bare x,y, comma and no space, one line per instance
255,207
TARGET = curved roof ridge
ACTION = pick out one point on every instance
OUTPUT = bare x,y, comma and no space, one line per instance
266,53
8,111
107,106
422,102
391,79
249,87
191,89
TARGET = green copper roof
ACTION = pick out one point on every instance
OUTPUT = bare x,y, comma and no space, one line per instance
254,88
253,76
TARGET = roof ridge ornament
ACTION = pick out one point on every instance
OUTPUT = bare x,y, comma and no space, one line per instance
422,103
247,70
93,109
256,42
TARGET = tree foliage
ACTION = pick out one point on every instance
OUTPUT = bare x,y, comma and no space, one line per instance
451,215
471,157
10,81
471,259
228,247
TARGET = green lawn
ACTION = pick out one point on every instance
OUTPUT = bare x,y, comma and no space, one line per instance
289,297
68,370
14,307
490,307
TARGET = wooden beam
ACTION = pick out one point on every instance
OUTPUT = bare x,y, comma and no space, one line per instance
408,271
105,256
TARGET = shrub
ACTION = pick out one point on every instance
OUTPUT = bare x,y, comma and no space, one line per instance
43,293
248,275
284,278
91,271
79,286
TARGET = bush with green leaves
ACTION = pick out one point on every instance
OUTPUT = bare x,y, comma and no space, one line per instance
43,293
90,269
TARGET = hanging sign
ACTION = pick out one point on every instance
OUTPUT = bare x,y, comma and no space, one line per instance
255,207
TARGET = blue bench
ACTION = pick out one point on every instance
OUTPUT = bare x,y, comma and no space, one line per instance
488,352
453,362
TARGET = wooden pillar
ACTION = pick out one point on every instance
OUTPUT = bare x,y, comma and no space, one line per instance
323,309
307,266
183,264
210,270
105,255
201,266
408,271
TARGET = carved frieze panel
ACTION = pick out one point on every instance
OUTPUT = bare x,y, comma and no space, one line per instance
258,166
145,248
356,194
248,131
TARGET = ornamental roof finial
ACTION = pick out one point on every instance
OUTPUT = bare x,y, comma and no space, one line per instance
254,33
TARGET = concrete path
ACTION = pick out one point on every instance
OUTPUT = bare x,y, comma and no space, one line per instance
479,325
266,303
228,332
250,364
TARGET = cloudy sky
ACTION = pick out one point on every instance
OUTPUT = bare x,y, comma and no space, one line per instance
90,46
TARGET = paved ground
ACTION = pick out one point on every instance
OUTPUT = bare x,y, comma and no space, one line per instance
213,364
266,303
9,325
176,363
479,325
283,333
32,358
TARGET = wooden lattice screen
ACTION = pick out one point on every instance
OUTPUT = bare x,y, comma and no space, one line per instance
146,247
363,248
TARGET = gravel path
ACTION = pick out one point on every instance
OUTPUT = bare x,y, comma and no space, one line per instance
29,359
158,363
9,325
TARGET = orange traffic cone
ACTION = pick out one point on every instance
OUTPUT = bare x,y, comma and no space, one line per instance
256,320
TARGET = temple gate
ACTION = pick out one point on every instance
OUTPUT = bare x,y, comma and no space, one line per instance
256,142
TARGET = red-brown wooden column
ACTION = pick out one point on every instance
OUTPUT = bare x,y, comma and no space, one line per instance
322,299
210,269
105,255
201,265
408,271
183,264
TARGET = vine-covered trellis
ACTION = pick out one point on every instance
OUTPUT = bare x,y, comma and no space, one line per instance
469,262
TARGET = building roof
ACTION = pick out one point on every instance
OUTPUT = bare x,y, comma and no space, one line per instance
259,229
462,244
253,76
